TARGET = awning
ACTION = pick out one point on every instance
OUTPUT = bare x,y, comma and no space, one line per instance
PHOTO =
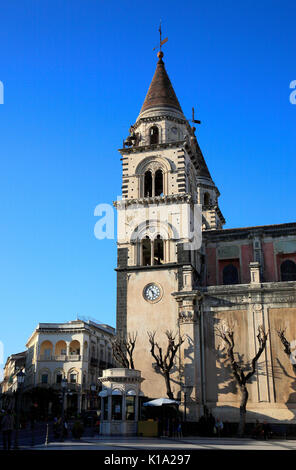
116,391
103,393
161,402
131,393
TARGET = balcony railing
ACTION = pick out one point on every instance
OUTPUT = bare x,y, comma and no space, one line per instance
94,362
71,357
71,387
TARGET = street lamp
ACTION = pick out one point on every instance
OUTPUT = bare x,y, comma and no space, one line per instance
20,376
64,384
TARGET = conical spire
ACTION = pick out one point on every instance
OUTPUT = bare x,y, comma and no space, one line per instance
161,92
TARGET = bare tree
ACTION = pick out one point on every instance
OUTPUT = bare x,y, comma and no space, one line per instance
165,361
287,347
123,350
226,333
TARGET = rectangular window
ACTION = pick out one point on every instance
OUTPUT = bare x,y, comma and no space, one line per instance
73,378
105,408
229,271
130,408
116,407
44,378
47,353
59,378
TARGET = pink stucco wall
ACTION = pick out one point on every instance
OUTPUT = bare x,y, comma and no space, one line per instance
269,267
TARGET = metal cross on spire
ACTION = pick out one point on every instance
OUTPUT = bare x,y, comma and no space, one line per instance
161,41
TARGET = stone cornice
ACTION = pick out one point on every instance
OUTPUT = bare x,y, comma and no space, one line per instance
249,232
163,117
244,294
165,266
151,147
186,295
172,198
62,331
289,286
122,379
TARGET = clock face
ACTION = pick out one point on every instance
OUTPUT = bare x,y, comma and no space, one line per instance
152,292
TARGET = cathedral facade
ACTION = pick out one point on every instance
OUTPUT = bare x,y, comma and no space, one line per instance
168,281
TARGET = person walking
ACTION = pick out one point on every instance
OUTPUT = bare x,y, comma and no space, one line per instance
179,430
219,426
7,428
266,430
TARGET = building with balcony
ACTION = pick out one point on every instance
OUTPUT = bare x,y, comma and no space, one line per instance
78,351
14,364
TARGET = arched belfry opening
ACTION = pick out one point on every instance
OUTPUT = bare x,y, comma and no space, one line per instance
148,184
146,251
158,250
154,135
158,183
206,199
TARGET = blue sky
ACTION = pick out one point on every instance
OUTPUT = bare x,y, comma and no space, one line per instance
75,74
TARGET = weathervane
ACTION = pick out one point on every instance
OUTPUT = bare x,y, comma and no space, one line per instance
161,41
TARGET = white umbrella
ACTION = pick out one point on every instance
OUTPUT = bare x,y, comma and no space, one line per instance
161,401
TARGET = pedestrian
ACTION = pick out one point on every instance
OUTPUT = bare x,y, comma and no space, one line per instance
211,424
266,430
97,426
65,430
7,428
56,427
218,426
179,430
258,430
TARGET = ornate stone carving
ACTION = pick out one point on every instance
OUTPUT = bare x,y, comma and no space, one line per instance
187,316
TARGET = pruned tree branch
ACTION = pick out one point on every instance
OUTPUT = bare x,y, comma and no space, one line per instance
165,361
287,345
226,333
123,350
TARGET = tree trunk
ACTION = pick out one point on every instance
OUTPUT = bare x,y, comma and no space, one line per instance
168,385
243,410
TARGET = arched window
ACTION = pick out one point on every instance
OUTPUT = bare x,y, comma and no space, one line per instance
158,250
46,350
154,135
230,274
73,376
74,348
44,378
288,270
59,376
158,183
148,184
206,199
61,348
146,252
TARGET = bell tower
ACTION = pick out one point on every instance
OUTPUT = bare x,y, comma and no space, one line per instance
167,196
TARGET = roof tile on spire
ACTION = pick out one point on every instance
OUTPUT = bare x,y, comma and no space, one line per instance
161,92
